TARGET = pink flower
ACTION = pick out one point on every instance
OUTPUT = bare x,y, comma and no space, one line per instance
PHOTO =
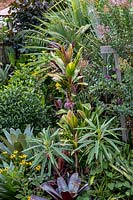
69,104
121,3
119,101
103,30
107,76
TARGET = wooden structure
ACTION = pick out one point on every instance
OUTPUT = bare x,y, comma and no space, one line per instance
105,50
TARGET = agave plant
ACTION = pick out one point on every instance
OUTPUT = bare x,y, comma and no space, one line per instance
15,139
63,191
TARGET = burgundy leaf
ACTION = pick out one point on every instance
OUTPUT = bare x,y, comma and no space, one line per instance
66,196
50,190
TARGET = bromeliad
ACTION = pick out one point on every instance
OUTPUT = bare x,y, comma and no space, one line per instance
63,191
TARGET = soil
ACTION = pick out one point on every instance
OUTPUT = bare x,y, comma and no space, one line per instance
5,3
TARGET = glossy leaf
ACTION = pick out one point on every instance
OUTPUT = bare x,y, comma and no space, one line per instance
62,186
70,69
63,191
74,183
50,190
34,197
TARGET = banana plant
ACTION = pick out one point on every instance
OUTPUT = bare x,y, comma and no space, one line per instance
63,191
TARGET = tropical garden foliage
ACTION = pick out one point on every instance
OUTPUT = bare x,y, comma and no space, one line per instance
61,102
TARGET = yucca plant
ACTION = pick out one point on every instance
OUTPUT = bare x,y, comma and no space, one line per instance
99,142
63,191
66,24
46,149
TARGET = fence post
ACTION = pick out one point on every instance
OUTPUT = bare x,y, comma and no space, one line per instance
109,50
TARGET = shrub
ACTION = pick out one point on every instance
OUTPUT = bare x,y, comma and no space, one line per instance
24,13
19,105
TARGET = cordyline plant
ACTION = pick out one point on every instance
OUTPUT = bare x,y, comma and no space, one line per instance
69,123
63,191
67,73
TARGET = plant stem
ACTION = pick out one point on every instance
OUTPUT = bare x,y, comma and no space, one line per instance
76,153
57,171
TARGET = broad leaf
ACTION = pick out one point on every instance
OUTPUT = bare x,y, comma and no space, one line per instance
62,186
33,197
49,189
74,183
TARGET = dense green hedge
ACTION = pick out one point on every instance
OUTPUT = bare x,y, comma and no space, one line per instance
20,106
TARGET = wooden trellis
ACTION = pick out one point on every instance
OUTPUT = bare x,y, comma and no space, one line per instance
105,50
